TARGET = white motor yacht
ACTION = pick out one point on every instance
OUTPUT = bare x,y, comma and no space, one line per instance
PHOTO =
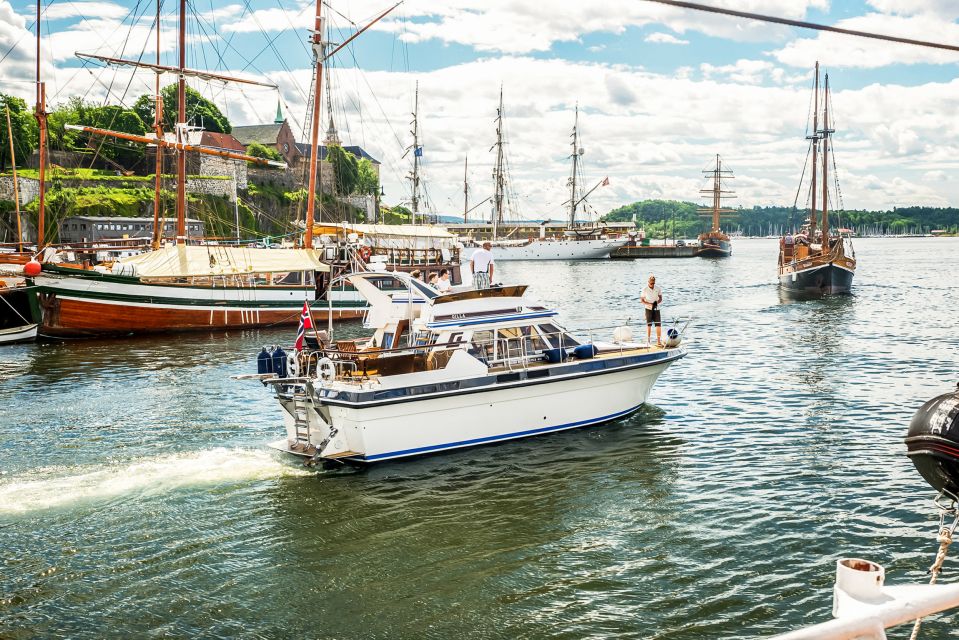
445,371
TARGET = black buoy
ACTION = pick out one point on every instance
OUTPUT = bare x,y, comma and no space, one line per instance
933,442
264,362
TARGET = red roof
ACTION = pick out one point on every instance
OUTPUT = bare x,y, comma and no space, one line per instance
221,141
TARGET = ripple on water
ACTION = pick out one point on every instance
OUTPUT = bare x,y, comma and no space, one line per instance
135,497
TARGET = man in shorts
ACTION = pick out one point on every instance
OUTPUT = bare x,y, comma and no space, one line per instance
651,298
481,266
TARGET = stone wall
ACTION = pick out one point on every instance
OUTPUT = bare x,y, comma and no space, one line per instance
363,203
29,189
216,166
283,178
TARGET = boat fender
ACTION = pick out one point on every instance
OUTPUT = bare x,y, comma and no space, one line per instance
293,364
672,338
326,369
279,362
264,362
933,442
585,351
622,334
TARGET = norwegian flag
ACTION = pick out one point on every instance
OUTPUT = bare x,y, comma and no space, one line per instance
605,182
305,323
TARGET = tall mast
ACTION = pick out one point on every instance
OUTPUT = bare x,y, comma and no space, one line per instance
717,192
158,128
824,134
466,189
572,178
319,51
41,115
498,179
415,176
815,150
181,134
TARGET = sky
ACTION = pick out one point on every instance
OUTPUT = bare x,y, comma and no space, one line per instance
661,91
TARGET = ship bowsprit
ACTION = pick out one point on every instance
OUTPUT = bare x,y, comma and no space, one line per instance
933,442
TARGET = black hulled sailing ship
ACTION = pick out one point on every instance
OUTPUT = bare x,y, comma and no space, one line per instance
815,260
715,243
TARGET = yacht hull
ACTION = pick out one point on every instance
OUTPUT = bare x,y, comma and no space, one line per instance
81,306
503,411
818,279
553,250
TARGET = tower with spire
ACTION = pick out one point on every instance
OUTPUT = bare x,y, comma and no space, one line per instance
279,114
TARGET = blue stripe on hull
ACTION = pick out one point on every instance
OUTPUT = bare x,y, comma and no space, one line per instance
488,439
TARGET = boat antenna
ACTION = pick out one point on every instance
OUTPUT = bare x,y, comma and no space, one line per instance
466,189
181,132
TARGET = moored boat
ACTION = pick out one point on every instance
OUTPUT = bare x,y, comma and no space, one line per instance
815,260
492,364
715,243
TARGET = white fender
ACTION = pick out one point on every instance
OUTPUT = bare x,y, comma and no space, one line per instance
326,369
293,364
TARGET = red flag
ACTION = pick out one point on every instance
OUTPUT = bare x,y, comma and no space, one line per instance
605,182
305,323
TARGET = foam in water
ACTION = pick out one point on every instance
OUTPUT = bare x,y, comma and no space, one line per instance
143,477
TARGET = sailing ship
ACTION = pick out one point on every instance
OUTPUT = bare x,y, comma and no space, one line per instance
817,260
495,365
714,243
182,287
579,242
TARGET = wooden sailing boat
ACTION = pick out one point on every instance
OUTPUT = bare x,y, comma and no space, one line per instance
182,287
579,242
814,260
714,243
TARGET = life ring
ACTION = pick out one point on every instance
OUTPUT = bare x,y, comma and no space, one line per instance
365,253
293,365
326,369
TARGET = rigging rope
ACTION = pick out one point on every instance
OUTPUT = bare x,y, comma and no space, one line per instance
944,538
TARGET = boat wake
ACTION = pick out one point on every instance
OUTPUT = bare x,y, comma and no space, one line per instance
40,489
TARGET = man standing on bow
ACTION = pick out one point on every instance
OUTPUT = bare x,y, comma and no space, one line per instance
481,266
651,298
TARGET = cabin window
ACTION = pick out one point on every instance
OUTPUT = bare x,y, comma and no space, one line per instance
388,340
483,347
556,337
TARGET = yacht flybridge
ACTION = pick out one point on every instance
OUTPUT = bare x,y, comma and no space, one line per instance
445,371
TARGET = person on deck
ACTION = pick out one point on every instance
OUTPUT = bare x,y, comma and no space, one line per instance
433,280
443,285
481,266
651,298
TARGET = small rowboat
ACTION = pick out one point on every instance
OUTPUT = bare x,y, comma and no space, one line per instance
25,333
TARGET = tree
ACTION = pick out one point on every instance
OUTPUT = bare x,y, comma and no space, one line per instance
258,150
113,117
368,181
345,170
25,131
200,112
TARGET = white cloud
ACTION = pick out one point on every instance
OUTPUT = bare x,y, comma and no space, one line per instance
664,38
62,11
846,51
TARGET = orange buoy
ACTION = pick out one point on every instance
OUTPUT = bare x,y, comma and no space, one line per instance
32,268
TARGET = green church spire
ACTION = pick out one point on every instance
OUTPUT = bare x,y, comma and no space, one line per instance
279,114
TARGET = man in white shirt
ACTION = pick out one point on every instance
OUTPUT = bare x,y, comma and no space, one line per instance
443,285
481,266
651,298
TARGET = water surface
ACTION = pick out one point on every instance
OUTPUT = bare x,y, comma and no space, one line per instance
137,497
